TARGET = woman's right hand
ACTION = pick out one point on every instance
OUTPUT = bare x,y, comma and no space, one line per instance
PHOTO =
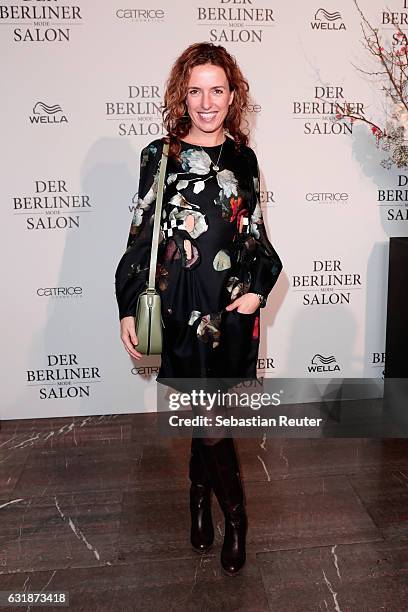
128,336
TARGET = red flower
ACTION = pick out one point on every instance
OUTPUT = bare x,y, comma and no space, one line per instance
235,205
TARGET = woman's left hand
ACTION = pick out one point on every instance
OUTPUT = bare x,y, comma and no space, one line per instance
246,304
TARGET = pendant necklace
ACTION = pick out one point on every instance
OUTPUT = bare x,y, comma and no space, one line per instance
215,166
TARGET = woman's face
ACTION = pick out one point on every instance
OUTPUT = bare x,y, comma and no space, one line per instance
208,98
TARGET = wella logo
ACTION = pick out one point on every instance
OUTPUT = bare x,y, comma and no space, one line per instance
43,113
323,20
323,364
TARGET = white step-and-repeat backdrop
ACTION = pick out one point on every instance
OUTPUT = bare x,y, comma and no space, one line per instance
82,92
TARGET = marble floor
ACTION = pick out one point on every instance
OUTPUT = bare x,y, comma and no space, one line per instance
97,506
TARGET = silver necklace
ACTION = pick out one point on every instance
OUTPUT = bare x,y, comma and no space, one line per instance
215,166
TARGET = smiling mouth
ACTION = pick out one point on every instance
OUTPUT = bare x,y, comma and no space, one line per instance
207,116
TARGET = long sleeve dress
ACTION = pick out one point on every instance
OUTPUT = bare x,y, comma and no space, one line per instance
213,247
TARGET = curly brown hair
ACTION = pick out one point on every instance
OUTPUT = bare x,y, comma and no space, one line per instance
175,117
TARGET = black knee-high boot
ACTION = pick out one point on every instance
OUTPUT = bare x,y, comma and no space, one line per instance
222,467
202,528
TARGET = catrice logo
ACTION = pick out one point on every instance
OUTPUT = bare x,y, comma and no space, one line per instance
63,378
327,285
140,114
395,200
228,23
145,370
40,22
319,116
319,363
141,15
378,363
43,113
323,20
59,292
51,206
327,197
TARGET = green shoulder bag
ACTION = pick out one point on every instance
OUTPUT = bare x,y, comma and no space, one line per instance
148,317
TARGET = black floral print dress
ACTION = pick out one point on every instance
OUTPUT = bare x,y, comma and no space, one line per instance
213,247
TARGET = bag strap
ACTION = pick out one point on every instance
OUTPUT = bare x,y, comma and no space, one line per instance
157,217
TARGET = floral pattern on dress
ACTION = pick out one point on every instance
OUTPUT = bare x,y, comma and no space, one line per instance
237,287
199,163
222,260
193,221
256,220
150,150
229,205
213,249
161,277
208,329
143,205
228,183
196,162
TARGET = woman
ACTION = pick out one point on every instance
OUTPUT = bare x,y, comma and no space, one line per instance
216,266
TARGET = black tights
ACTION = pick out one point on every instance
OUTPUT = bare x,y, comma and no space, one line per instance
210,441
